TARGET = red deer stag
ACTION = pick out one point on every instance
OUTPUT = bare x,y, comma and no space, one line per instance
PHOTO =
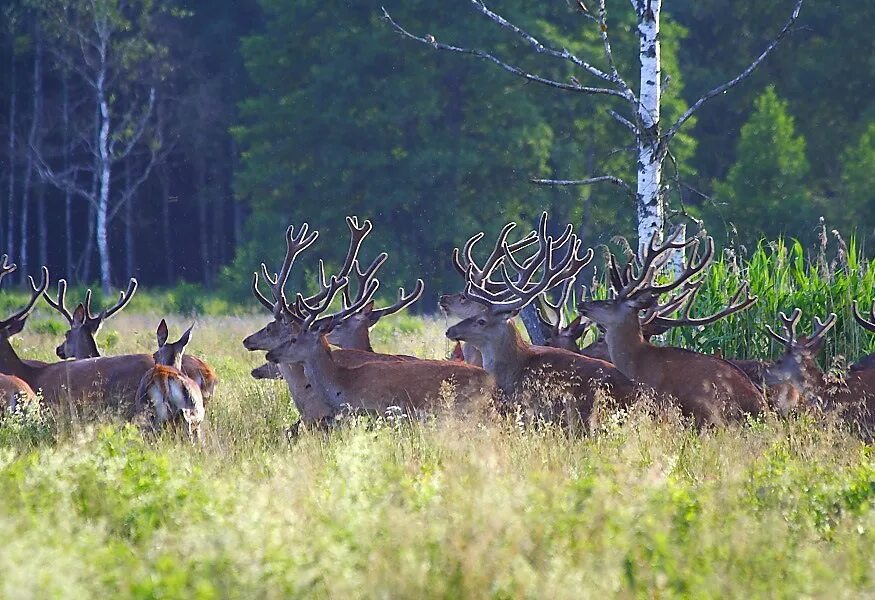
312,408
543,383
165,392
416,387
111,381
709,389
13,389
80,340
801,381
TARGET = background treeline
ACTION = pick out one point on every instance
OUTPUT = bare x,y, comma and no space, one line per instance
230,119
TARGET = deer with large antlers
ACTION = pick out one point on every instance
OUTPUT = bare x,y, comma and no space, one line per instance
709,389
801,381
311,405
109,380
80,341
415,386
12,389
542,382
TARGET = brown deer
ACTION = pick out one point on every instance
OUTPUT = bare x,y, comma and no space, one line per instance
709,389
313,409
80,340
111,381
165,392
868,361
13,389
542,382
460,306
416,387
801,381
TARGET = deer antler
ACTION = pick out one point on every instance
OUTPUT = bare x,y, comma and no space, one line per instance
657,319
5,267
402,302
789,324
60,304
295,244
468,268
36,293
868,325
106,313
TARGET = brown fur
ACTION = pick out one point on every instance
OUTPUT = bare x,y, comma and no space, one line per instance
13,390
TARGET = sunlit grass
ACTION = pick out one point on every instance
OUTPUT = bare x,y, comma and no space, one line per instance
438,509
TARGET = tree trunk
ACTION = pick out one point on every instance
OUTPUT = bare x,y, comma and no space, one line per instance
42,226
650,203
68,195
130,250
32,146
10,206
169,266
202,214
105,175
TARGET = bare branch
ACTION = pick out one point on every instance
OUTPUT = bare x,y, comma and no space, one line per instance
600,179
623,121
573,87
141,128
540,48
602,22
738,79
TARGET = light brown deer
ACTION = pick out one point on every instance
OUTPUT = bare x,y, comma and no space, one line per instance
110,381
80,340
312,407
709,389
415,387
165,393
801,381
544,383
460,306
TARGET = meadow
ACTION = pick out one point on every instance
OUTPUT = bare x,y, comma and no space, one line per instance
644,507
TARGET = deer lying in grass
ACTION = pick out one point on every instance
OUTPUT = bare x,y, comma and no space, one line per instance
80,340
312,407
416,386
459,306
801,381
544,383
709,389
109,381
166,393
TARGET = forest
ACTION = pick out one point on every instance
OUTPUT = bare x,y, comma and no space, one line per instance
172,140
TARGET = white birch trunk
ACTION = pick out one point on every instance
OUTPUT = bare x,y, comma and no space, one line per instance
650,205
32,141
104,162
68,195
10,206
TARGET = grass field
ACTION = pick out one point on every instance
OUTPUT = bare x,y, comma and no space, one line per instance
440,509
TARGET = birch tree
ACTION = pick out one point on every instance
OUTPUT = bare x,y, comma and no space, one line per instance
639,111
110,47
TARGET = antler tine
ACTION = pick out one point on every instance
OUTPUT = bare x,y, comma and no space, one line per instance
466,252
295,244
60,305
357,235
789,324
690,271
259,296
868,325
402,302
363,278
820,328
497,252
123,299
553,318
36,293
311,312
5,267
740,301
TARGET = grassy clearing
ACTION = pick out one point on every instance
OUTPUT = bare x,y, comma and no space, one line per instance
440,509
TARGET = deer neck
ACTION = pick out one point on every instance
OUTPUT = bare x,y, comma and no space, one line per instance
87,348
505,356
322,372
362,341
625,344
11,364
302,392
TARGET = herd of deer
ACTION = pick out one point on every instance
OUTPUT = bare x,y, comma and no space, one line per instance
326,358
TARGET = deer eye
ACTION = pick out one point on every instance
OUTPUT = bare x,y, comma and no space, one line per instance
481,322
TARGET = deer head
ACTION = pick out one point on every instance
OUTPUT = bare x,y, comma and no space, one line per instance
170,353
798,366
501,304
79,341
15,323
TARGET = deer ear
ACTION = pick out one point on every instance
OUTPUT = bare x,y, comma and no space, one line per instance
15,327
79,315
162,333
185,338
642,300
367,308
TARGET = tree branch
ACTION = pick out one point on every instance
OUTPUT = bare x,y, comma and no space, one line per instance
573,87
623,121
600,179
738,79
540,48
